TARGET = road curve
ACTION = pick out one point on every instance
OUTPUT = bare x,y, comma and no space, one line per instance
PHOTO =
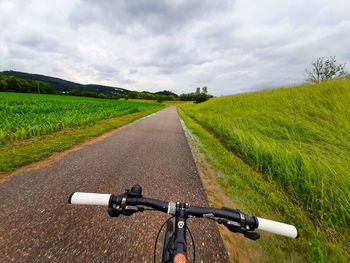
37,224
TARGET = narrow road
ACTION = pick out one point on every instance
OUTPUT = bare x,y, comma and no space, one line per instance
37,224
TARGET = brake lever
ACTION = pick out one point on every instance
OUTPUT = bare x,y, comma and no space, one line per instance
237,228
251,235
126,211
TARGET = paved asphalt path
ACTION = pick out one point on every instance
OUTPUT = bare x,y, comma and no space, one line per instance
38,225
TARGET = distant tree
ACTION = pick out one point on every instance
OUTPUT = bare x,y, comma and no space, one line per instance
3,85
197,97
159,98
166,93
13,84
75,92
324,69
146,95
117,96
102,96
133,95
201,98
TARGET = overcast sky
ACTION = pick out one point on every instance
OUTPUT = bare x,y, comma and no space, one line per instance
229,46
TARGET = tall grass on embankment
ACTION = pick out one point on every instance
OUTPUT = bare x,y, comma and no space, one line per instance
298,138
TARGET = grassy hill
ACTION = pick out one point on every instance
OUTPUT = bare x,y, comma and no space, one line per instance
65,85
299,140
33,83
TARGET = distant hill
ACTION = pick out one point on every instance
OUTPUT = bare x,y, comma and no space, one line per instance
65,85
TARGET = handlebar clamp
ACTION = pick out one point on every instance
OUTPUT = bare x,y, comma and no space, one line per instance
242,227
123,209
135,191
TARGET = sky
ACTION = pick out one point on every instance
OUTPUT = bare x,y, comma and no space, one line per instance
228,46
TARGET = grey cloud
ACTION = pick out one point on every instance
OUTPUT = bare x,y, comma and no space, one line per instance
229,46
132,71
172,58
105,72
159,17
40,42
127,81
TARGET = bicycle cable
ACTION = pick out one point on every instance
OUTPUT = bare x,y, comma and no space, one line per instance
155,243
194,246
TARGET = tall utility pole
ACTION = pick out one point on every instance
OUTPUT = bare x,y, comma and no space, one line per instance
37,84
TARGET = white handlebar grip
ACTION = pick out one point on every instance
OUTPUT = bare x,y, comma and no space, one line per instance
79,198
277,228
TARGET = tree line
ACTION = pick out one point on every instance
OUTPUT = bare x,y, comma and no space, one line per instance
197,97
16,84
131,95
200,95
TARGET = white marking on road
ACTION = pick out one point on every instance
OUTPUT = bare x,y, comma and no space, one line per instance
185,129
149,116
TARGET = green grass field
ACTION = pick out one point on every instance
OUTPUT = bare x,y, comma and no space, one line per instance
33,126
299,140
23,116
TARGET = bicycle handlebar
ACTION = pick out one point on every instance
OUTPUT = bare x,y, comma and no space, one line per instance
80,198
275,227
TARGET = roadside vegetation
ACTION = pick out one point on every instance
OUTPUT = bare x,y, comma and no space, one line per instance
28,120
13,81
289,149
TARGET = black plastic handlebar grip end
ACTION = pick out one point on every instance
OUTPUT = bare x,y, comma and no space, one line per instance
70,198
112,200
256,222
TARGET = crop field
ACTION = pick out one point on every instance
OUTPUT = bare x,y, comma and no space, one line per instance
23,116
299,139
